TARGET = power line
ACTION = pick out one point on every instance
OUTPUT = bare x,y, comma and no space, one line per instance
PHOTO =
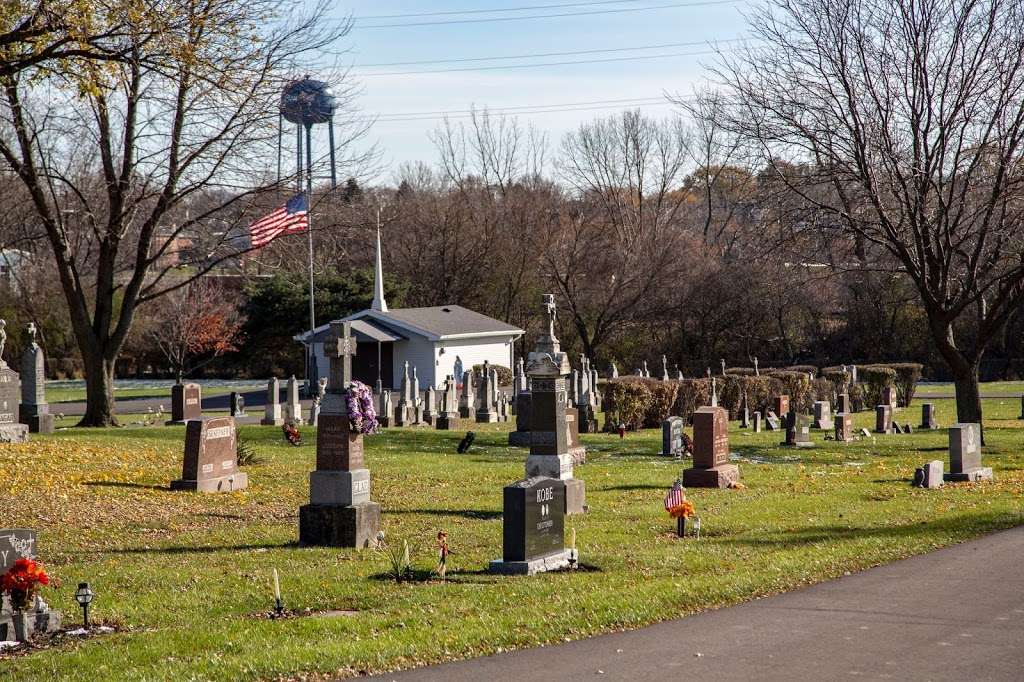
524,112
541,64
551,54
700,3
521,8
492,110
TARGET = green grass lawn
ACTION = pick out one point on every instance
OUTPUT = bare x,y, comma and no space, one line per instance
185,575
72,394
992,389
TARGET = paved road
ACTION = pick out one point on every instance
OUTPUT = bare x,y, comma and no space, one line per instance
954,614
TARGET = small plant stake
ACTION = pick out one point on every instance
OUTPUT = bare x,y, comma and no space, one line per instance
278,604
574,555
696,526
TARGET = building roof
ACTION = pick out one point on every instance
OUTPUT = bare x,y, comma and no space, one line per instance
442,322
436,323
365,331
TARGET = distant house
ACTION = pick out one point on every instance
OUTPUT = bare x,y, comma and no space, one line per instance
430,339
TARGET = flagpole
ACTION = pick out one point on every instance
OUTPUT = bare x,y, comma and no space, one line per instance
309,233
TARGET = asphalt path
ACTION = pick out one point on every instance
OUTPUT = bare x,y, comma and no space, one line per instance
953,614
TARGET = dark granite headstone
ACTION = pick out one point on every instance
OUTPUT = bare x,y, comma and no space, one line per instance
521,436
18,543
844,427
533,527
211,457
798,430
928,420
883,419
672,437
711,467
844,404
186,403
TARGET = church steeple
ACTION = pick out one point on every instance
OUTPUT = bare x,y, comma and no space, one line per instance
379,304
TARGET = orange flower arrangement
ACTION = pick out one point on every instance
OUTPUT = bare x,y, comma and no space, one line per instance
22,582
684,509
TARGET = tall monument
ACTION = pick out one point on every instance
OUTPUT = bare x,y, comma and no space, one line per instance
339,513
547,367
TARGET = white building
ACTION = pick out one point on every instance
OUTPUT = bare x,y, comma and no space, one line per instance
433,340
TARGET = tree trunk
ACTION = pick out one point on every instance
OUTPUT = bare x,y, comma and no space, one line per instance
99,391
968,396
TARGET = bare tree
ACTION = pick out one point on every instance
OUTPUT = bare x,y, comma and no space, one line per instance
620,246
126,160
907,120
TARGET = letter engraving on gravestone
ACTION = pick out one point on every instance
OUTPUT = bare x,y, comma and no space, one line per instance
534,527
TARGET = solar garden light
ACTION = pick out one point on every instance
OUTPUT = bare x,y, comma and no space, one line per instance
278,604
84,597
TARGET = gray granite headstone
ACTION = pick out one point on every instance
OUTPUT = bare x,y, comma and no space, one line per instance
883,419
672,437
272,410
932,474
11,431
965,454
34,410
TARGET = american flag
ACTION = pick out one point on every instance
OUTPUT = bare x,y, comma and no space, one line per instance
675,496
288,219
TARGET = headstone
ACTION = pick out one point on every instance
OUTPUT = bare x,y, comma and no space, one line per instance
448,416
711,467
865,433
781,404
907,428
186,403
672,437
664,368
646,372
798,430
272,410
933,475
318,399
889,396
823,415
883,419
533,530
965,454
416,416
34,410
430,406
572,430
467,402
520,377
772,421
292,406
896,428
548,367
844,427
20,543
406,412
485,413
211,457
843,404
386,414
236,405
521,436
757,422
1021,407
340,512
928,420
11,431
744,417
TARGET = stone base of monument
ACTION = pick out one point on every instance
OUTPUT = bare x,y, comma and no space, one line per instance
716,477
36,623
223,484
825,424
971,475
520,439
551,562
443,423
41,423
486,417
575,496
14,433
330,525
798,444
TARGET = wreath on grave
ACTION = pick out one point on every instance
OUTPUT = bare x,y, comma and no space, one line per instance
22,582
362,417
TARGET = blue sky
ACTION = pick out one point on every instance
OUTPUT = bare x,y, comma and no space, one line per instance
392,95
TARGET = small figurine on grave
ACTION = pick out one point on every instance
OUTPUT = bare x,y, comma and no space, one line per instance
442,554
